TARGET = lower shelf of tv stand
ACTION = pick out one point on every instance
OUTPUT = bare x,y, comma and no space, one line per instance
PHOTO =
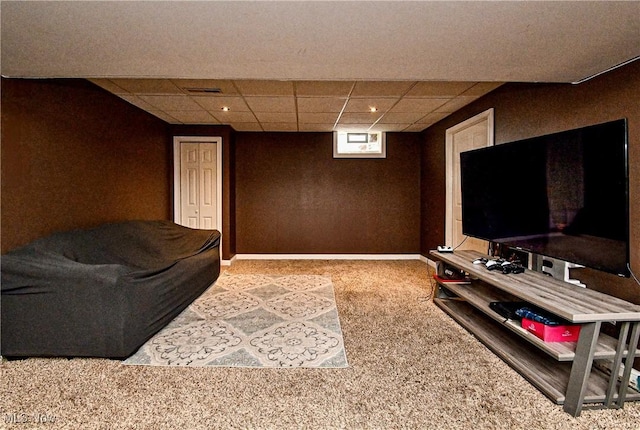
480,294
547,374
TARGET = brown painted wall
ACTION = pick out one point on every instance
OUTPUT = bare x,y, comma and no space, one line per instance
525,110
74,156
292,196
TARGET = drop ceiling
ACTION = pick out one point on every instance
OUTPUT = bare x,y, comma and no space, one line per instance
314,65
265,105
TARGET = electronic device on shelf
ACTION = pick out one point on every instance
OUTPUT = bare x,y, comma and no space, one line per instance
451,274
510,267
508,309
562,195
443,248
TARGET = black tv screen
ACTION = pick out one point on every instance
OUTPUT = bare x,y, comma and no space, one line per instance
562,195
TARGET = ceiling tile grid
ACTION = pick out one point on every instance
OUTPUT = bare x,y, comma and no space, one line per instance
271,105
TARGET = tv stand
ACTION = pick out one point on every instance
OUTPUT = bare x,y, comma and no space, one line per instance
566,372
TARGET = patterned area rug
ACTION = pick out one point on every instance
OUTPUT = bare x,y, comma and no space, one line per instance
253,321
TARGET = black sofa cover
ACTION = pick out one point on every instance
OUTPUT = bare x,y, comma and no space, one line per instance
102,292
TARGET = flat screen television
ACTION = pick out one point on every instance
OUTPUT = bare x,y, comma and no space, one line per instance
563,195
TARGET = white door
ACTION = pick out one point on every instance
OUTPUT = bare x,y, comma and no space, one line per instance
198,187
476,132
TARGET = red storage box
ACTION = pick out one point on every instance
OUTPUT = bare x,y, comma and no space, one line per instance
550,333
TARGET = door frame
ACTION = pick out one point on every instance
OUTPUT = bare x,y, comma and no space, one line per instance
177,140
483,116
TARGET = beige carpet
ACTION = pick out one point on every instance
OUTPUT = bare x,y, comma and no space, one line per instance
410,367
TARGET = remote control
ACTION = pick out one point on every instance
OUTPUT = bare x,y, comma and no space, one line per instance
493,264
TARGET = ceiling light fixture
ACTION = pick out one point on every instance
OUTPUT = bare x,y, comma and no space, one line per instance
373,109
225,108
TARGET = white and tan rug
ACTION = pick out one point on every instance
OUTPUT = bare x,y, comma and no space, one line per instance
253,321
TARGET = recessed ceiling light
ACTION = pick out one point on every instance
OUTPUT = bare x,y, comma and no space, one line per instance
225,108
373,109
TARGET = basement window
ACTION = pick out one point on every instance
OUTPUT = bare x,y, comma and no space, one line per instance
360,144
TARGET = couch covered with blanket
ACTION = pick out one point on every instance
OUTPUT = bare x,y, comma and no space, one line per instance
102,292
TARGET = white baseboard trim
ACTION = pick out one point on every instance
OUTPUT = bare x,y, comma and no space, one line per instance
228,262
429,262
327,257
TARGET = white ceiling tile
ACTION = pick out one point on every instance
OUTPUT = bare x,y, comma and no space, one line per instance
482,88
317,118
276,117
323,88
246,126
320,104
193,117
359,118
173,103
353,127
415,127
401,117
315,127
439,89
365,104
233,116
424,105
432,118
271,104
389,127
264,87
215,104
147,86
455,104
380,88
279,126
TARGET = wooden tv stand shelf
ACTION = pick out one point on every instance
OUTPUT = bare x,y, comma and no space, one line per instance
563,371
